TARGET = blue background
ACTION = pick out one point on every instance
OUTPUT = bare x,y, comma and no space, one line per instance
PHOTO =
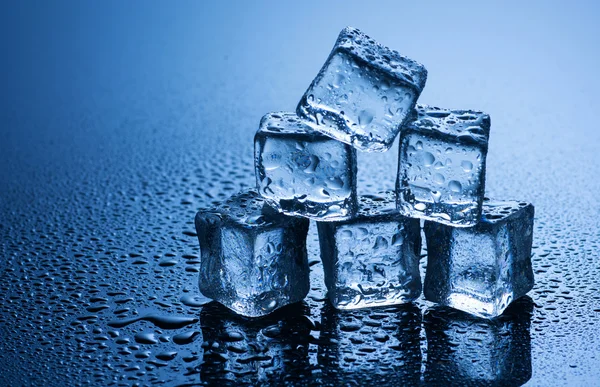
119,119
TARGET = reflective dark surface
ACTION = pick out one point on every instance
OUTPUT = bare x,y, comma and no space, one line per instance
119,121
464,350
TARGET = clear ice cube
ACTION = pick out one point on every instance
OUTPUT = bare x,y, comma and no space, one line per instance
481,269
463,350
363,93
301,172
373,258
361,347
441,165
253,259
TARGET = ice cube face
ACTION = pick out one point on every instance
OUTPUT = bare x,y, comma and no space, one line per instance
372,259
481,269
362,347
253,259
441,170
463,350
301,172
363,93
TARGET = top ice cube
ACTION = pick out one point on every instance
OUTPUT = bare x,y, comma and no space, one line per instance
364,92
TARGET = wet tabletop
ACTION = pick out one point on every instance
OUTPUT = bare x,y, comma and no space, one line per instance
119,121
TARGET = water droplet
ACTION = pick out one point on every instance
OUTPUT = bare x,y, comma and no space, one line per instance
466,165
428,159
380,243
438,178
365,117
338,80
455,186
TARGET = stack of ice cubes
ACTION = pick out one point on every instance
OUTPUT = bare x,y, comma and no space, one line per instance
253,246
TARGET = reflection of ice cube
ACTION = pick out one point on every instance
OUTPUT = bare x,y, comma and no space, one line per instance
441,172
253,260
362,347
271,350
363,93
302,172
481,269
372,259
464,350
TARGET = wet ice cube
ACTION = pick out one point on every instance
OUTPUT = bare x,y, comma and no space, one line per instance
373,258
441,165
253,259
301,172
363,93
463,350
481,269
361,347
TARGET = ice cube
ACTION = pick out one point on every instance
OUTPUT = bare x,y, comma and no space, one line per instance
441,166
373,258
363,93
464,350
363,347
301,172
253,259
481,269
272,350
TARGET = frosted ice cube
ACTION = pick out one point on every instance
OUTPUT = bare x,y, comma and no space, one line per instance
253,260
363,93
362,347
463,350
301,172
481,269
372,259
441,165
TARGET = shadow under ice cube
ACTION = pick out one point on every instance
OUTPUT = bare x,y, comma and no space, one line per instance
253,259
463,350
366,347
481,269
372,259
302,172
272,350
363,93
441,170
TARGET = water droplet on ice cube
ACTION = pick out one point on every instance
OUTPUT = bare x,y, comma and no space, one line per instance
365,117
